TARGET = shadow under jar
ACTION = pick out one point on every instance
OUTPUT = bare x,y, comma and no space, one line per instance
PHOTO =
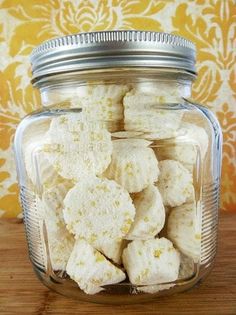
119,172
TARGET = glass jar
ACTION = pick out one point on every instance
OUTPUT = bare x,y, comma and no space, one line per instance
119,172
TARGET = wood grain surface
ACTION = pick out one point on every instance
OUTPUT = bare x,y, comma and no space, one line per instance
22,293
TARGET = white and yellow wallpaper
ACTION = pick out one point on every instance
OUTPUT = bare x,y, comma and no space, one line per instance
210,24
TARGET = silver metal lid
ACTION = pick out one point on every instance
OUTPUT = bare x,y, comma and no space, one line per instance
112,49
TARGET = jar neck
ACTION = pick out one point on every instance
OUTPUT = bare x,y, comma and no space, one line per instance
172,85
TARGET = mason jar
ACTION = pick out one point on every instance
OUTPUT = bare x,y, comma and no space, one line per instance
119,171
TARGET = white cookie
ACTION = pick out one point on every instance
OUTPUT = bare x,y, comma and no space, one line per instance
77,148
90,269
112,249
167,91
133,164
150,214
98,210
175,183
37,165
53,205
60,241
142,112
153,261
183,230
103,101
61,244
186,152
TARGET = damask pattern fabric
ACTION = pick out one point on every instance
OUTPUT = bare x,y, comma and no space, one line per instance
210,24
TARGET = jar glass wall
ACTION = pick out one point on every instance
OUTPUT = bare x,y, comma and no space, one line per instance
119,179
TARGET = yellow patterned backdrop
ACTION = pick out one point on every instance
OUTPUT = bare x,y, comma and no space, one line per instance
211,24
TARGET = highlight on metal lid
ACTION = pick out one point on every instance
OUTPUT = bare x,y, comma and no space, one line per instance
97,50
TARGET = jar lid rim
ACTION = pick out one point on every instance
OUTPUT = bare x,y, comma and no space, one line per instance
108,49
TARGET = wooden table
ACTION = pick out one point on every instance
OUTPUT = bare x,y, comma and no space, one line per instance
22,293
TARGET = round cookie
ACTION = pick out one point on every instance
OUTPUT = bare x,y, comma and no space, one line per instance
133,164
142,112
98,210
77,147
103,101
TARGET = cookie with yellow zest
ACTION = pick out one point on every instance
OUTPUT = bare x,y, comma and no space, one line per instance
175,183
37,165
77,147
90,269
60,241
133,164
153,261
184,230
193,140
52,199
98,210
112,249
150,214
103,101
144,111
